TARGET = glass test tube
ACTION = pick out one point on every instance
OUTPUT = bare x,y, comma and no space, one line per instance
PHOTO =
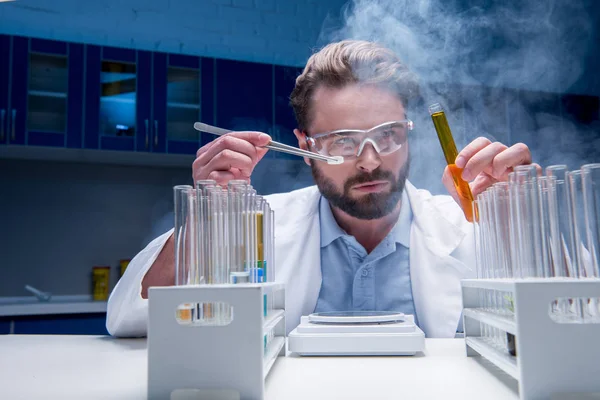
247,216
527,221
183,235
561,223
563,237
205,241
260,245
583,262
546,188
591,194
252,242
450,153
236,214
185,245
514,210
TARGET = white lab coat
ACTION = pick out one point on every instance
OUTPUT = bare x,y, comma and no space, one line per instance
441,254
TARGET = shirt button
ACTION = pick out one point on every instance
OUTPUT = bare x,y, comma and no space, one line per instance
365,272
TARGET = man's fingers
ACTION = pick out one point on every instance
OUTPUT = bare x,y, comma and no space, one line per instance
228,159
513,156
227,144
482,161
258,139
481,183
470,150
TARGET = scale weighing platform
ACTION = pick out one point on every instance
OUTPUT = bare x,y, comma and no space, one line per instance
357,333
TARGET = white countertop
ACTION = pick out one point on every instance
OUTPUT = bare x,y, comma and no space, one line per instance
30,305
93,367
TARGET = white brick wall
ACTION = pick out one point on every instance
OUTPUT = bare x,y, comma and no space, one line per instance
272,31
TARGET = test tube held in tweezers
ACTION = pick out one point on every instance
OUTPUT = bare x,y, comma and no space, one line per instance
450,153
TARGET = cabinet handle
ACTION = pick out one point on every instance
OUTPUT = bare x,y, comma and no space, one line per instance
155,133
146,123
12,127
2,114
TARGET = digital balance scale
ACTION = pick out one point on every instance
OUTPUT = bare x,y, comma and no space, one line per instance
357,333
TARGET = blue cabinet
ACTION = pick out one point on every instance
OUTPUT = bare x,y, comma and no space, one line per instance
73,95
183,91
112,110
4,327
146,101
4,87
76,324
244,95
41,86
284,119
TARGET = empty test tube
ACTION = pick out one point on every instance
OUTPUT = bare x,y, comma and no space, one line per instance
450,153
185,245
591,197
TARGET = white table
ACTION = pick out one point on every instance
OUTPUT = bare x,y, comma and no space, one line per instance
92,367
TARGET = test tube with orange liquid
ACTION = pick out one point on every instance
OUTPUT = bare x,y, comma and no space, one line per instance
449,148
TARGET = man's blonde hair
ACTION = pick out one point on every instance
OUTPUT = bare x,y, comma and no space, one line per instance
348,62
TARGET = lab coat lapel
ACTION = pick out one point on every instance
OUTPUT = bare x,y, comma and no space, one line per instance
298,259
435,273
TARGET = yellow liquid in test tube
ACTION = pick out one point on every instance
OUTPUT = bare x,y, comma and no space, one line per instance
259,237
450,153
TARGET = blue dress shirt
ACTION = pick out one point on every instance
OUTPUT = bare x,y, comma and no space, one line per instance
356,281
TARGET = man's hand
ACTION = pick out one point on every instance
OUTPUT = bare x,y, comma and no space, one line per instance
485,163
231,156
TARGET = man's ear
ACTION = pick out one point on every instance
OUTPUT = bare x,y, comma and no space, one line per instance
302,143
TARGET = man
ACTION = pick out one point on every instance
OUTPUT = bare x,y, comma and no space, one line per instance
364,238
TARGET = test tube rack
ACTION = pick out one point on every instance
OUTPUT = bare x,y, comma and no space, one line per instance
552,358
214,362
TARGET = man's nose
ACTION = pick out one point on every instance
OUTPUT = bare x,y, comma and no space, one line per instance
369,159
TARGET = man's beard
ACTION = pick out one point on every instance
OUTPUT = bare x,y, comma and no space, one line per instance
371,205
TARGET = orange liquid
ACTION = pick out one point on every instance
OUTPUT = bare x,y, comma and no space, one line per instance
450,153
463,190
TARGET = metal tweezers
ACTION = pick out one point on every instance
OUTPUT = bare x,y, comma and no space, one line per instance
276,146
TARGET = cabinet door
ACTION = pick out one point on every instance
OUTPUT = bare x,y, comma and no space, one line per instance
142,106
244,95
188,99
4,87
46,93
285,121
159,103
112,114
17,116
4,327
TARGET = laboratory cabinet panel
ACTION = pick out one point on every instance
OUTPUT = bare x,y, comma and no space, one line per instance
182,94
4,87
42,83
4,327
284,119
244,95
80,324
117,107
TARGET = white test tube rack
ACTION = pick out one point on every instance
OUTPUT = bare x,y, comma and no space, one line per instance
552,358
213,362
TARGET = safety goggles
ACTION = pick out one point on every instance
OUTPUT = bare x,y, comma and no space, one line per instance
349,143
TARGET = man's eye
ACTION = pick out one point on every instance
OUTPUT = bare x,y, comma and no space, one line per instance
388,133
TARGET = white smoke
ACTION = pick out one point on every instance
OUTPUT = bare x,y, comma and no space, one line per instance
497,69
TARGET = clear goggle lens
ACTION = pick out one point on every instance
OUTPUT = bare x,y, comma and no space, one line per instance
348,143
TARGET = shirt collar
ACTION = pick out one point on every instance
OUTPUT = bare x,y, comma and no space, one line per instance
330,230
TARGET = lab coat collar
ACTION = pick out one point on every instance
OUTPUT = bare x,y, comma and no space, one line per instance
440,234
